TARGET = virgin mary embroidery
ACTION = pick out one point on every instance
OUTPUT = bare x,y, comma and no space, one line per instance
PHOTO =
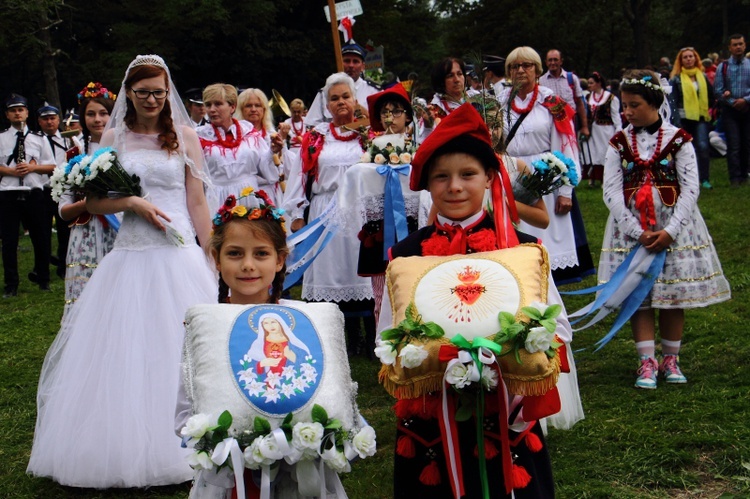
280,370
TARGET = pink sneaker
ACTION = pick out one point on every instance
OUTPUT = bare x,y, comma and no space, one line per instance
670,368
647,373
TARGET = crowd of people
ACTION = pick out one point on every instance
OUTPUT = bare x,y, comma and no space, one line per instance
456,174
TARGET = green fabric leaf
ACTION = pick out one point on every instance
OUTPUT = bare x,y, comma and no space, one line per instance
506,319
333,424
552,311
261,426
432,330
532,313
411,315
464,413
287,419
225,420
392,334
319,415
549,324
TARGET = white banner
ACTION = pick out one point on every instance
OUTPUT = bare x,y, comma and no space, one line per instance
347,8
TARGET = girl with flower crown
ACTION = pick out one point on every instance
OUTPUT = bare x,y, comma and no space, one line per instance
91,237
108,387
651,189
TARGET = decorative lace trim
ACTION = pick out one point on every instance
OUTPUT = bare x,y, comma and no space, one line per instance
337,294
564,261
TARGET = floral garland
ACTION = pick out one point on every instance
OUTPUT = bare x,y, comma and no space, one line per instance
645,81
265,209
322,438
93,90
390,154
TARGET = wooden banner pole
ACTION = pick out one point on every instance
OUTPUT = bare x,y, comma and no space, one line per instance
335,34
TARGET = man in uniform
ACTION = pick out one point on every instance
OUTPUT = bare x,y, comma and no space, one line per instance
195,107
353,56
24,168
494,73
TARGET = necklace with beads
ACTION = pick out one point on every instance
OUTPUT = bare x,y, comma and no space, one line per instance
637,157
301,130
527,109
223,141
343,138
593,97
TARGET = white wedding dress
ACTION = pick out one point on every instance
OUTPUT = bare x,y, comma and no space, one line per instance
108,387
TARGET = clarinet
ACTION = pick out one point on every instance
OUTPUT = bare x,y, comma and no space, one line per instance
20,159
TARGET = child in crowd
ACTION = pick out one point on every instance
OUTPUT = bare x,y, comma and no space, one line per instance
456,163
651,189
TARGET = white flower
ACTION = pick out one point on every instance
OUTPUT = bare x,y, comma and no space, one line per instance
393,158
287,390
336,460
542,307
489,377
385,352
405,157
366,158
197,426
248,375
269,448
458,375
200,460
288,372
307,437
307,369
538,340
299,384
255,388
75,170
379,159
364,442
412,356
273,379
86,161
272,395
253,458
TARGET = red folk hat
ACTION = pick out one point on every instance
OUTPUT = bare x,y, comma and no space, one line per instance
464,121
397,91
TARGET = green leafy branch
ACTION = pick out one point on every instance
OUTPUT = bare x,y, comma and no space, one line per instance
516,333
412,328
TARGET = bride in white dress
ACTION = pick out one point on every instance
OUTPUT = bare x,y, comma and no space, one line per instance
108,387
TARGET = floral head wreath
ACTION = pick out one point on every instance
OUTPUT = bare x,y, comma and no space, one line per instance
95,89
646,81
256,205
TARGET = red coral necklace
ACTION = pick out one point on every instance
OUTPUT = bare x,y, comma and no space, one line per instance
223,141
634,146
343,138
527,109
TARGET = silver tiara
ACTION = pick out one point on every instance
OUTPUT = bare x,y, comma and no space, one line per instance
148,60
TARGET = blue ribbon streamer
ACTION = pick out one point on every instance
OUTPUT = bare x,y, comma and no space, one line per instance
113,222
315,233
395,227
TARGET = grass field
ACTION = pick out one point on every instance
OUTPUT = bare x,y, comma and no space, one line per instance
677,441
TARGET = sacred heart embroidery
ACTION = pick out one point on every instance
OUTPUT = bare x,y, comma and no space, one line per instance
469,291
465,295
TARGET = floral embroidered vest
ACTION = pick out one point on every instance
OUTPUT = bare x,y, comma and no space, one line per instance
662,172
603,112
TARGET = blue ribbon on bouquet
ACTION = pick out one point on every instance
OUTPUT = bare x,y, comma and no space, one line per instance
395,227
629,286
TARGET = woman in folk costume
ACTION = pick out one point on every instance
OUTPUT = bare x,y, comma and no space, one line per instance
235,153
456,163
252,105
449,82
328,151
536,121
605,122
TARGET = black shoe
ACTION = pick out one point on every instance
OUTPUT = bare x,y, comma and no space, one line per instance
33,277
44,287
10,292
61,272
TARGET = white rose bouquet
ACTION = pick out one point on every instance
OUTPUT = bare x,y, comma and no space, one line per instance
98,175
550,171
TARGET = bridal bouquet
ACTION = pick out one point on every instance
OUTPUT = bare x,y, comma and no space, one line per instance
101,175
550,171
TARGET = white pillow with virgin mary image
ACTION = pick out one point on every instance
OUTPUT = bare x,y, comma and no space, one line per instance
268,361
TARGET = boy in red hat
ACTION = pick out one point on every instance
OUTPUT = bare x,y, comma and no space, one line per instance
456,163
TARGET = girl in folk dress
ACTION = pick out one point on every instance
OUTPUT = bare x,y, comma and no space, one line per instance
651,189
605,122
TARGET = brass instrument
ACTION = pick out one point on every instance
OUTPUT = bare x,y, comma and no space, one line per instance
279,107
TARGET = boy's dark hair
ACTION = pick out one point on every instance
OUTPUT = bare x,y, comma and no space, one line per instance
644,78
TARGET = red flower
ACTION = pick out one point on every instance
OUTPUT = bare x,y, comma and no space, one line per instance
262,194
436,245
225,214
482,240
231,201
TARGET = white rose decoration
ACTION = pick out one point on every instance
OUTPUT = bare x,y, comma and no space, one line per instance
336,460
366,158
393,158
489,377
307,437
200,461
385,352
269,449
364,442
379,159
412,356
538,340
255,456
197,426
458,375
405,157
